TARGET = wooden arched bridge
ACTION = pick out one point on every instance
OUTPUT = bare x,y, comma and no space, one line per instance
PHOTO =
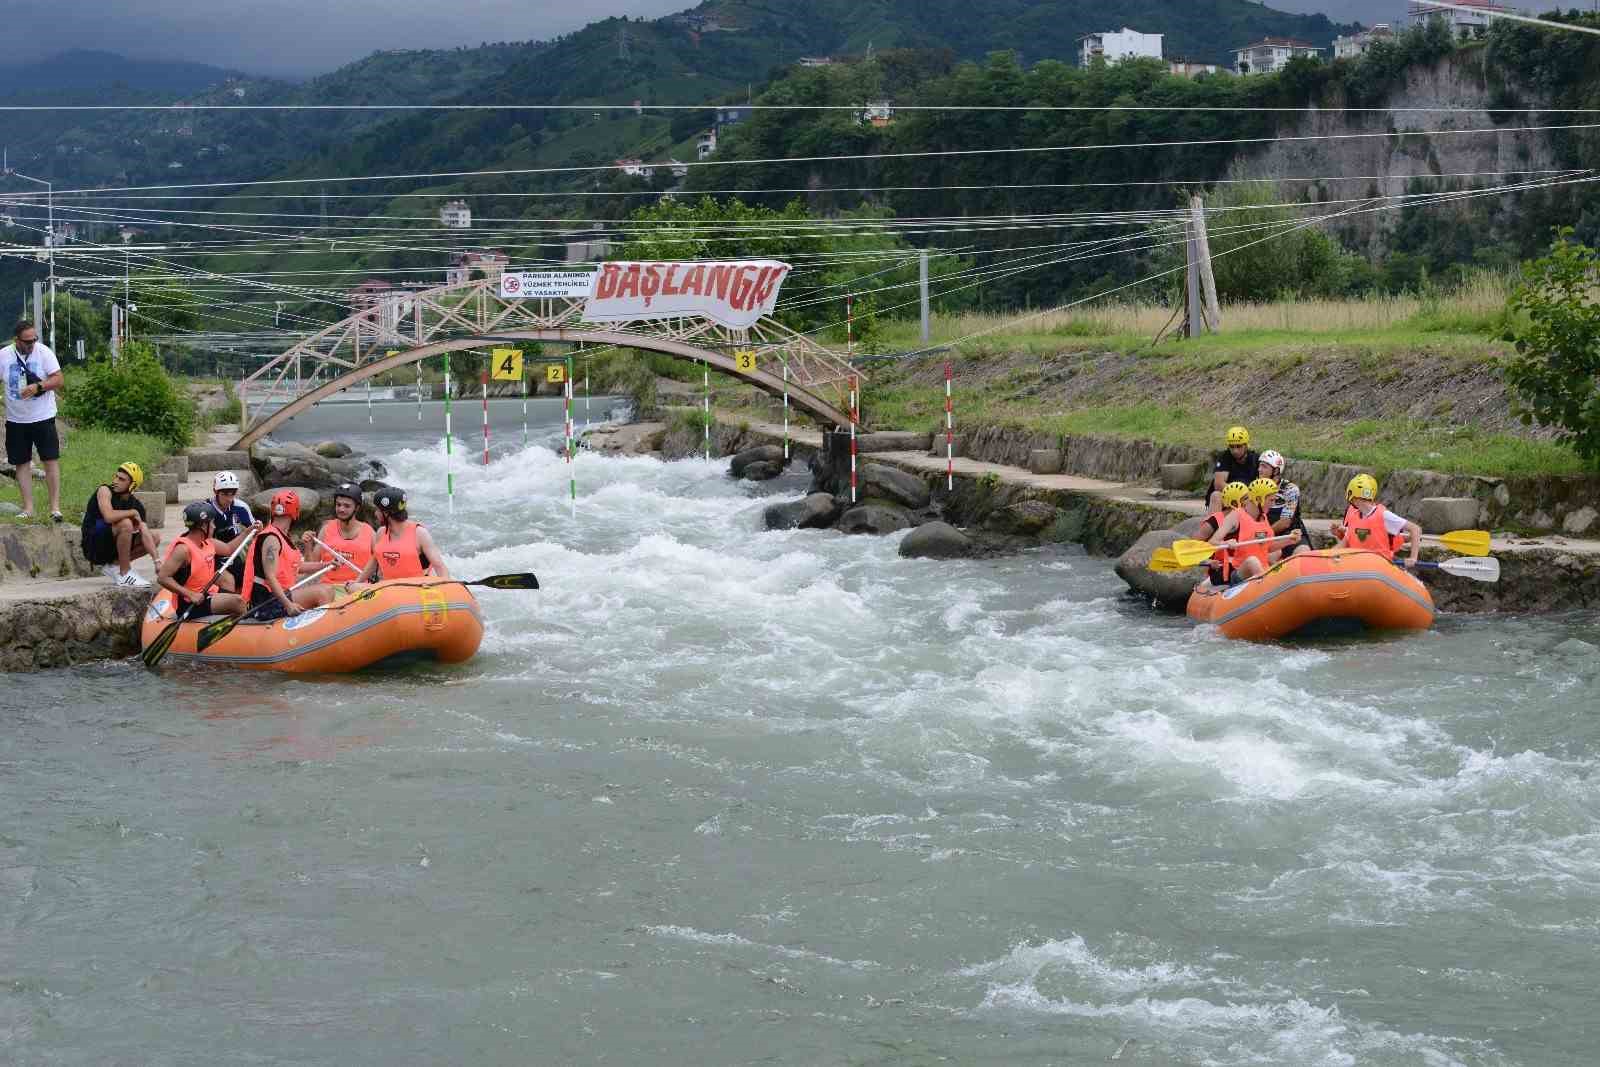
405,327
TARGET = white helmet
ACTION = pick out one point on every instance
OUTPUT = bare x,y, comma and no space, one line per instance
225,480
1274,460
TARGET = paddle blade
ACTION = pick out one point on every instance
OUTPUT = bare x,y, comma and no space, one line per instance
213,632
1467,542
508,581
1478,568
1165,566
1191,553
157,649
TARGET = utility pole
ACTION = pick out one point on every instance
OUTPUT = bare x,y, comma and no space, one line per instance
1191,291
922,278
49,241
1208,280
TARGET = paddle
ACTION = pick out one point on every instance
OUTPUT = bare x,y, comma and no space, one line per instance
1189,553
1477,568
213,632
158,648
337,555
1467,542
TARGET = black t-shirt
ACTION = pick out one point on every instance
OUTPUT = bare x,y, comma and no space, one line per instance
1246,470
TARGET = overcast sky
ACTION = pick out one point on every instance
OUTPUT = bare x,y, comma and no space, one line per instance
314,36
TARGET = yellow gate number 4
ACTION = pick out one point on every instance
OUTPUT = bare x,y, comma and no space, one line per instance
745,359
508,364
555,373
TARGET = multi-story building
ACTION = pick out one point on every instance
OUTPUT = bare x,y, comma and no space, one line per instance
485,264
1472,22
1271,54
1116,45
706,145
456,215
1185,69
1356,44
635,168
878,113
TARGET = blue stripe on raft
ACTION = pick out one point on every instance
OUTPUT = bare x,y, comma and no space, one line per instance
323,642
1313,579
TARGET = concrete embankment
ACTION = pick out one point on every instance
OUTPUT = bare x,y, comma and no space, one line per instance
1539,574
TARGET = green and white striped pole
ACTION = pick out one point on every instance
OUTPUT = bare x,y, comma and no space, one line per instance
572,473
705,369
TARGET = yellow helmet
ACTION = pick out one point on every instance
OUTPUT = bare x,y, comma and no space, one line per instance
1263,490
1238,436
1233,494
134,472
1362,487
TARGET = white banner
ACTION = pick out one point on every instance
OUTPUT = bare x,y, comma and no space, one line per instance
546,285
733,294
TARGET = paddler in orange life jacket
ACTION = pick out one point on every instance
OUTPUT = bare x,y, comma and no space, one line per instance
1233,495
402,548
275,565
1368,524
345,534
1248,523
191,563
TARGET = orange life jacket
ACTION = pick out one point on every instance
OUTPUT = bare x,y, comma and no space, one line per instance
1219,558
288,562
1369,531
1251,529
400,557
357,549
202,565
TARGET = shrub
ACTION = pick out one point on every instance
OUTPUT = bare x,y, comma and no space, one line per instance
133,395
1555,374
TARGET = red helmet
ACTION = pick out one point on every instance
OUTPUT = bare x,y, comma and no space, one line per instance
286,502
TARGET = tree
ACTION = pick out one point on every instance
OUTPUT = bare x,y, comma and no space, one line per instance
1555,374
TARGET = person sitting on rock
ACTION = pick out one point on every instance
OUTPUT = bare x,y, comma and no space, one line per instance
1236,463
230,516
114,533
1248,524
191,563
275,565
1217,567
344,534
402,548
1368,524
1283,512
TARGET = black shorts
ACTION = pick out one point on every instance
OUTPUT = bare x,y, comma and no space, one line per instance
102,545
23,437
273,608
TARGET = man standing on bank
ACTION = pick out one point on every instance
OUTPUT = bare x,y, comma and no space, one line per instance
32,376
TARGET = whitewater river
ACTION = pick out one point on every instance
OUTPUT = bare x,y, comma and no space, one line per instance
716,795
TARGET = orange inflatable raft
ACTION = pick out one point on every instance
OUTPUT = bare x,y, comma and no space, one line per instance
423,618
1317,594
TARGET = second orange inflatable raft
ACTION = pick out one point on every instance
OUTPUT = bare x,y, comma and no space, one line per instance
406,618
1317,594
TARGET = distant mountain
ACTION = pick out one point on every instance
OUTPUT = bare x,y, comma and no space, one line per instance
80,70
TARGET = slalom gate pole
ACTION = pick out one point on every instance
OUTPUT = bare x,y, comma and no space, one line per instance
705,369
369,401
419,389
484,380
572,474
585,392
449,443
949,433
855,417
786,409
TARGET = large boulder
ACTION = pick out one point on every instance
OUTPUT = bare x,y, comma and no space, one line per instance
936,540
1025,518
1441,514
762,471
876,519
893,484
772,455
332,449
1169,589
289,465
815,512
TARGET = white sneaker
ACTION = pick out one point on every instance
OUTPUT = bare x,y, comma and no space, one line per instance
132,581
110,571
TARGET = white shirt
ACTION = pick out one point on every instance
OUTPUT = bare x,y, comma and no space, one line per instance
42,362
1394,524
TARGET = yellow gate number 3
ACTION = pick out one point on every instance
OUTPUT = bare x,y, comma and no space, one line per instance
745,359
555,373
508,364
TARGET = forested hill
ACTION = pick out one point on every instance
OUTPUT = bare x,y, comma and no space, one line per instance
82,69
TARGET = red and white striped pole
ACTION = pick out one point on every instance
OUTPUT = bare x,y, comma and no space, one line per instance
949,433
484,379
855,417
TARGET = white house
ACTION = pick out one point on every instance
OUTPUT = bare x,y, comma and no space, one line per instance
706,145
1115,46
635,168
1183,68
1473,23
878,113
1271,54
1357,43
456,215
679,170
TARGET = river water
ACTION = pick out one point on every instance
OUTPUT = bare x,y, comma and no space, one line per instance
717,795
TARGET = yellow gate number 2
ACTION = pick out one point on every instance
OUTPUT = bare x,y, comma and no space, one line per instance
555,373
745,359
508,364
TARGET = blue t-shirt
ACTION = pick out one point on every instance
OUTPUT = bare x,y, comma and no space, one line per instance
228,524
